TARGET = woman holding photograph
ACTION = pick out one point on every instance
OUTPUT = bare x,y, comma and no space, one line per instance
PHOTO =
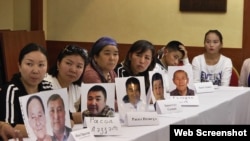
103,56
32,64
67,72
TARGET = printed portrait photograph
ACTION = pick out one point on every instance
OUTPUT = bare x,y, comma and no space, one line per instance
131,95
181,81
98,100
45,114
157,86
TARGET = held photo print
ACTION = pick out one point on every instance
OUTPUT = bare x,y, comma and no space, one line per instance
45,112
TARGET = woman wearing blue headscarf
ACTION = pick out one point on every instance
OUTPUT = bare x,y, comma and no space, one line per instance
103,57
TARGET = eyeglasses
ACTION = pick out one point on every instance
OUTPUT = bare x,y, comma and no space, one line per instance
75,49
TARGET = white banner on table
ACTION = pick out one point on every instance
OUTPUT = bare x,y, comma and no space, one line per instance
103,125
81,135
168,106
141,118
186,100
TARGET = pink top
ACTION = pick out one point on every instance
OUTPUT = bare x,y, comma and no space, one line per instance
92,76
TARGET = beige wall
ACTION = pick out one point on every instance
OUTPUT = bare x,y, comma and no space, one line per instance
21,15
45,17
15,14
6,14
158,21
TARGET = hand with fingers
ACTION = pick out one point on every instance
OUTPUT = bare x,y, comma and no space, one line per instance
7,131
185,51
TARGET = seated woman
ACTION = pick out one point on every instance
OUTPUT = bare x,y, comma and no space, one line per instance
32,64
103,56
212,65
245,74
67,72
139,60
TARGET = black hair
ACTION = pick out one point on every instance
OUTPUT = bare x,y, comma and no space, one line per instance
67,51
156,76
175,46
30,48
30,99
54,97
217,32
133,80
98,88
141,46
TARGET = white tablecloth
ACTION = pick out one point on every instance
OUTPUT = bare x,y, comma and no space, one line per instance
227,105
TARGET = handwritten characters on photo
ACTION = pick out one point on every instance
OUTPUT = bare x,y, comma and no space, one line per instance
96,103
181,80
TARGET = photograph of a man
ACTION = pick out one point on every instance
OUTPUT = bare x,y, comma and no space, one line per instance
96,103
181,80
158,86
36,118
132,101
57,115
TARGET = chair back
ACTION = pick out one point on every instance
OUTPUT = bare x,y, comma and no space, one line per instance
234,78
